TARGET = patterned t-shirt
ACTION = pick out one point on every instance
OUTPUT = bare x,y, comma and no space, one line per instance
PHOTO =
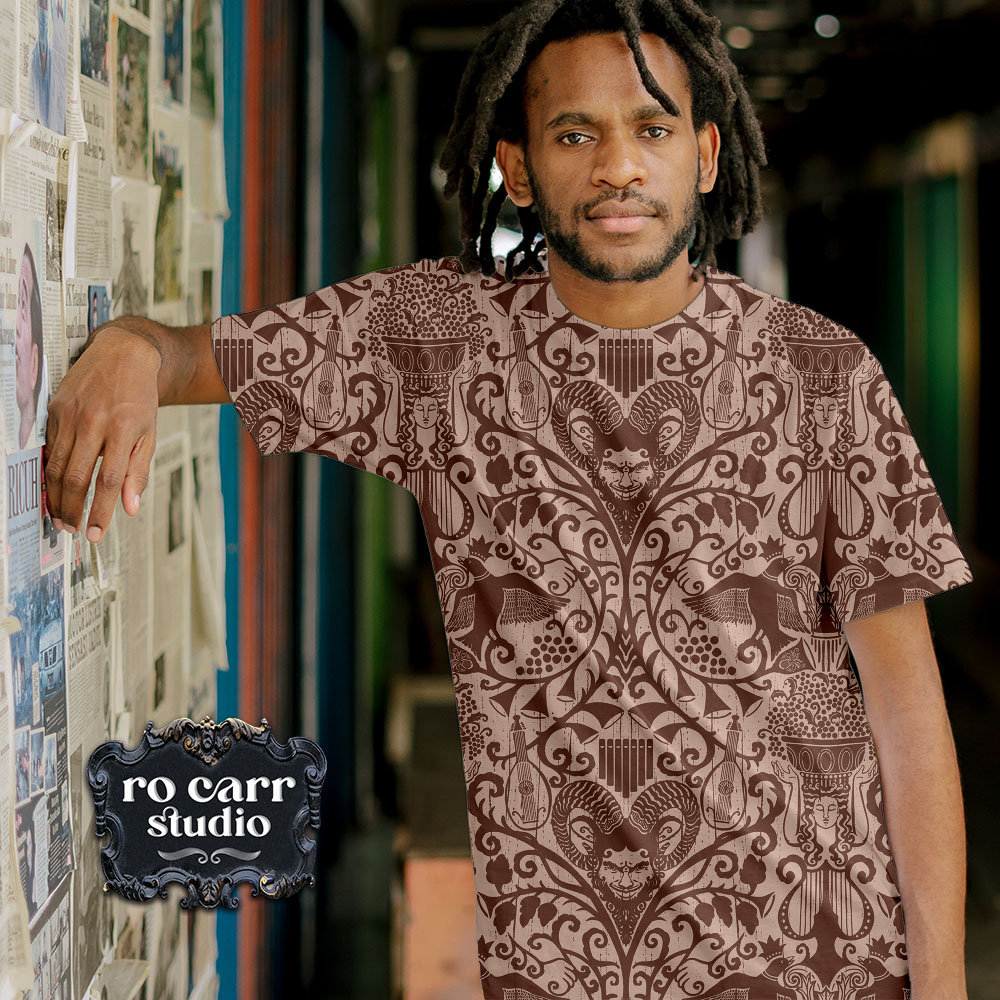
644,543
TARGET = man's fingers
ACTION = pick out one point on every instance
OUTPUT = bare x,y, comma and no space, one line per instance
137,475
74,480
58,449
107,486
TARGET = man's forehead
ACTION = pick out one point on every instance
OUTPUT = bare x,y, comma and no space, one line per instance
600,64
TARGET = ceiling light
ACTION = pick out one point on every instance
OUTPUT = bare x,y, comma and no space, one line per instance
739,37
827,26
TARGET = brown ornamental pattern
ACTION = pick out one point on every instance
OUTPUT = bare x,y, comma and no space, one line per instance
644,544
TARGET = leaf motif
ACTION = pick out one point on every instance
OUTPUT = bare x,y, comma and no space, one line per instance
504,915
748,516
752,871
929,507
704,912
546,912
747,915
529,505
724,508
546,512
724,907
904,516
706,512
528,907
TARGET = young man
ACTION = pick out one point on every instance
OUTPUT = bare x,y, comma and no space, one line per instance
656,504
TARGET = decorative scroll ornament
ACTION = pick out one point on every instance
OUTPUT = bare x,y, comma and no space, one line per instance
207,805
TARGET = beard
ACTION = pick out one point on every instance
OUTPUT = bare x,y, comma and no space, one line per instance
566,243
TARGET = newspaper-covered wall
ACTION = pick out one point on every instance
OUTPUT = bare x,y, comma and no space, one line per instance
112,195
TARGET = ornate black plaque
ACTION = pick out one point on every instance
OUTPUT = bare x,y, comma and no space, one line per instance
207,805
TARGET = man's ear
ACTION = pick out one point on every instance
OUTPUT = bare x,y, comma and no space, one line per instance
510,160
34,363
709,144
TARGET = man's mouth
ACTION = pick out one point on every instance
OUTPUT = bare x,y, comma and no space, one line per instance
621,216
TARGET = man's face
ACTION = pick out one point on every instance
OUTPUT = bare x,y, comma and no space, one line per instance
25,350
614,178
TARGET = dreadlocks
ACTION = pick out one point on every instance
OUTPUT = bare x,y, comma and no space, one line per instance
491,104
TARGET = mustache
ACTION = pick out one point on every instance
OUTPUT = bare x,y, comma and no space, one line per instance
661,208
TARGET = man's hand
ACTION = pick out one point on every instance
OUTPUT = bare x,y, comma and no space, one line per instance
105,408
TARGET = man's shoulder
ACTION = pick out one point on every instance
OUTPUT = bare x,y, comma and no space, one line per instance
785,325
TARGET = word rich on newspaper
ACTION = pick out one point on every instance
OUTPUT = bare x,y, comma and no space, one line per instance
209,806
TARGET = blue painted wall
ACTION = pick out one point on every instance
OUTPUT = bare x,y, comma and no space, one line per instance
232,33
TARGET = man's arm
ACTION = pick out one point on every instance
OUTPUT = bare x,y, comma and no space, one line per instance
106,407
922,794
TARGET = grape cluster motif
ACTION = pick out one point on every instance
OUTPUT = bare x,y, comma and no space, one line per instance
816,706
705,654
423,306
797,321
470,721
549,652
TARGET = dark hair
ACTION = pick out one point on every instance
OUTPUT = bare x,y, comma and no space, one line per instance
36,320
490,106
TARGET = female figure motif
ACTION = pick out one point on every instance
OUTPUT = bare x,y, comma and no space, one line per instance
826,418
426,418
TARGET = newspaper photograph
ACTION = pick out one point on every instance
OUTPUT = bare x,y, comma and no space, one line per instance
35,191
133,217
206,57
130,62
44,38
94,41
37,655
26,299
170,142
169,89
15,962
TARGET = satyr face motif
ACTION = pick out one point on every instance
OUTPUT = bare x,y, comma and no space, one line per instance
626,458
626,472
626,858
626,873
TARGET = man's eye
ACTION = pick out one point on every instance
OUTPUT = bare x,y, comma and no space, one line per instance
657,132
574,139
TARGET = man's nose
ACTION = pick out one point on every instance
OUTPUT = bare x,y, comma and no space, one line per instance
619,162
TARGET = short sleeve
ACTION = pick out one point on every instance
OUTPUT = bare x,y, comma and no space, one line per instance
336,372
887,539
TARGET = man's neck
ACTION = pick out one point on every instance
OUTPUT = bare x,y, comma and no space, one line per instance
626,305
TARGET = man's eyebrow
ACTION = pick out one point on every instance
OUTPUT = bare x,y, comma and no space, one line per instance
642,114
